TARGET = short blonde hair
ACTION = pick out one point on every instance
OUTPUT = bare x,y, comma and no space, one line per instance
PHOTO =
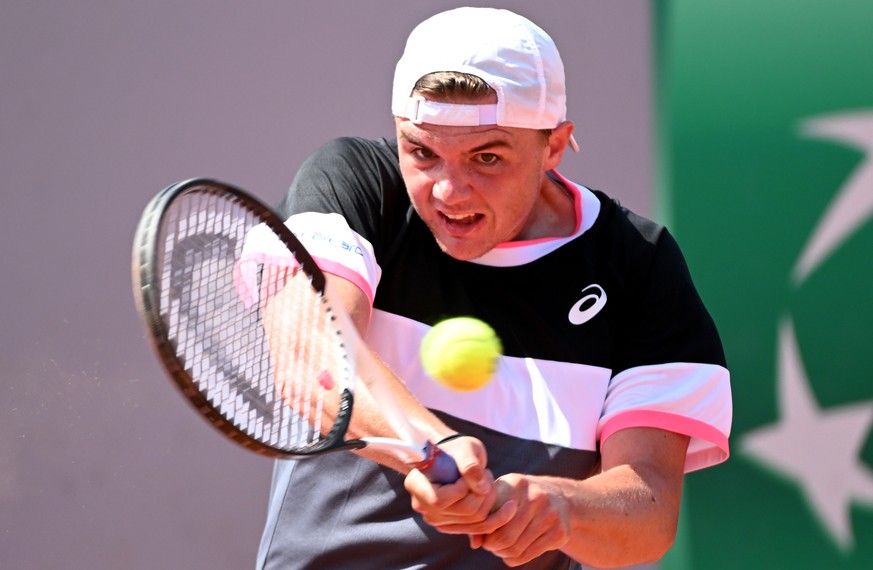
452,86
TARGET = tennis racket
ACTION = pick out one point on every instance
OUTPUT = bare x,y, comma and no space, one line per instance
237,313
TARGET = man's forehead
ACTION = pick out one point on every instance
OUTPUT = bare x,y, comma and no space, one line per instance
425,132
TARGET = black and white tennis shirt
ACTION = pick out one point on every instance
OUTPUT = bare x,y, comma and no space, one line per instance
602,330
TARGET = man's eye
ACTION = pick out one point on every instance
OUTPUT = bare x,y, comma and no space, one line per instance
423,153
488,158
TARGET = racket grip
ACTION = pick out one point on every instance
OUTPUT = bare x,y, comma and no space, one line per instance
439,467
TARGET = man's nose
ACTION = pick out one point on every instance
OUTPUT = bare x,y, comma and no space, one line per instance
450,186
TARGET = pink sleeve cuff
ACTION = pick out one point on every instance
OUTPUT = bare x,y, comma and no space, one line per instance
708,445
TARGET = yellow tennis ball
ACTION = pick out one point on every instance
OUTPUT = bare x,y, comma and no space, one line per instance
461,353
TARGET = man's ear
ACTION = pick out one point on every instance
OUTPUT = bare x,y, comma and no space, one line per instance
557,144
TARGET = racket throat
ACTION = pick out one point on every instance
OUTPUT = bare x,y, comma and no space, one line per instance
410,453
431,452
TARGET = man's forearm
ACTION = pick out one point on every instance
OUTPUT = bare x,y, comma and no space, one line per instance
622,517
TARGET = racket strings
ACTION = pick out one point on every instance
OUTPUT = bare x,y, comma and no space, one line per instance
307,358
271,367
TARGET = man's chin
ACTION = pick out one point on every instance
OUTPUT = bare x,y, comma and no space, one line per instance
462,250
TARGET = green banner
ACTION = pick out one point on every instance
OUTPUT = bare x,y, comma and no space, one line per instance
766,177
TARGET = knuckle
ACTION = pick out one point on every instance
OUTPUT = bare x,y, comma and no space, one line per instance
498,542
550,518
513,551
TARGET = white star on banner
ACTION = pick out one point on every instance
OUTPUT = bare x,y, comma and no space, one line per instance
853,204
817,448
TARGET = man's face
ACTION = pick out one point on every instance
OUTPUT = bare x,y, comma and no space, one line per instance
474,187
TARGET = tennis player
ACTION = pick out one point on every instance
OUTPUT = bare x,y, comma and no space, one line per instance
613,384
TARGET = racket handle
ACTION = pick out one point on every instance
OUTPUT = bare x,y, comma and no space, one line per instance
439,467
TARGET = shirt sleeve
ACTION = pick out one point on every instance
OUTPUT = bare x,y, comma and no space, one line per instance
341,205
670,369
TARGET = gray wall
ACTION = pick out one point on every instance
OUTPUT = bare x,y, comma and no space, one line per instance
103,103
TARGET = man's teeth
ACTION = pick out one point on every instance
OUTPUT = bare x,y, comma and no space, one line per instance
466,218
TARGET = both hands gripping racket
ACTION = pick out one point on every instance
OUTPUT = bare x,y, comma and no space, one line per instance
237,312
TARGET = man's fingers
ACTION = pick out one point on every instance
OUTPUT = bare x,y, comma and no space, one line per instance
519,554
427,496
473,468
496,520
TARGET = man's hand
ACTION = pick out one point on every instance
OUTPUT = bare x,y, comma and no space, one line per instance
539,521
624,515
533,517
468,500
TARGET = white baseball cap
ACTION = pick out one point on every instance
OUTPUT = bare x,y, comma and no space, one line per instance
509,52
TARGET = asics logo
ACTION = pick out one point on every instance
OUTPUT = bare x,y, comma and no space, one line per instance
593,300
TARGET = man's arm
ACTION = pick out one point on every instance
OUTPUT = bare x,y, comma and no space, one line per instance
469,453
626,514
